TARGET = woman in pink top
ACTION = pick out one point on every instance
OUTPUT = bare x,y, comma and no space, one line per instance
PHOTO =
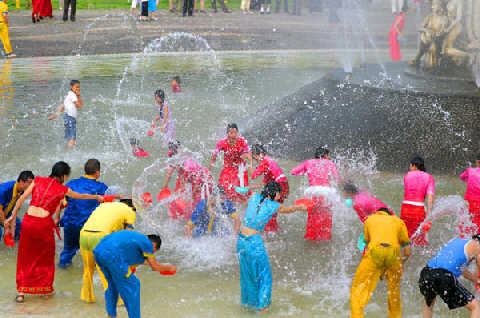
364,202
271,171
419,186
319,172
472,177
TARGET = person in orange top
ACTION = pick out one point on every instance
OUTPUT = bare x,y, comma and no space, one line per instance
4,29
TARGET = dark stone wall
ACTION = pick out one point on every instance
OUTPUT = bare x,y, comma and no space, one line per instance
396,123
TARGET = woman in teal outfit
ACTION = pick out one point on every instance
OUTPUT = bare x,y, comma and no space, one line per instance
255,273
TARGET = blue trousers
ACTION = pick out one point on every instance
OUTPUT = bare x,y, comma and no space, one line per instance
255,273
71,243
113,267
18,228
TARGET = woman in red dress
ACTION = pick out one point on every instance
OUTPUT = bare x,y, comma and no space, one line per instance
271,171
36,250
396,33
234,172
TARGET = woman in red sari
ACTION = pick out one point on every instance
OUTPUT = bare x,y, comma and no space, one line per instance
396,34
236,152
36,250
46,9
36,8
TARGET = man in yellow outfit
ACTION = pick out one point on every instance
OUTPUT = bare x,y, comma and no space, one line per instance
4,29
104,220
385,235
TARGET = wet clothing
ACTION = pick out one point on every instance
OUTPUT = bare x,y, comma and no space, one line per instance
36,249
319,172
104,220
438,281
393,37
385,234
439,277
255,272
8,197
231,175
152,6
115,255
366,204
272,172
176,88
169,134
76,214
7,46
418,185
204,219
472,195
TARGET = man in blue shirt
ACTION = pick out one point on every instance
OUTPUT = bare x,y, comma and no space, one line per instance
204,220
115,255
9,193
439,277
78,211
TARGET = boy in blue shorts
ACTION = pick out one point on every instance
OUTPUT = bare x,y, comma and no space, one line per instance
72,102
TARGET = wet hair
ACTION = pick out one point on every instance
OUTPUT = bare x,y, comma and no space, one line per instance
476,237
74,82
155,239
134,141
350,187
177,79
160,93
478,156
25,176
128,202
59,170
321,152
232,125
418,162
173,145
270,190
385,210
218,190
258,149
91,166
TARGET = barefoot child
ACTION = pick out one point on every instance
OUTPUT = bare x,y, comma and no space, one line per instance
167,123
72,101
176,84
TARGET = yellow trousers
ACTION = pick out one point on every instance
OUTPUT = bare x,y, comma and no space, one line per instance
377,262
88,241
5,39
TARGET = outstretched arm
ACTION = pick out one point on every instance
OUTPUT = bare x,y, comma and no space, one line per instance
60,109
84,196
157,267
291,209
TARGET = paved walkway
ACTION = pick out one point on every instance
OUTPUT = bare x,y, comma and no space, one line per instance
115,31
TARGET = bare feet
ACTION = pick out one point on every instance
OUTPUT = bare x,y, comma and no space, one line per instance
20,298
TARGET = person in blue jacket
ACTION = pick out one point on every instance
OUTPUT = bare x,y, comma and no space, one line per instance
204,220
10,191
78,211
116,255
255,273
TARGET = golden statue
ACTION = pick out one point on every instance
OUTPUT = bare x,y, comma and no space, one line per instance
454,30
433,32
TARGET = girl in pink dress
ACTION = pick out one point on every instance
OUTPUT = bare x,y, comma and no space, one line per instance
319,171
472,177
396,33
419,186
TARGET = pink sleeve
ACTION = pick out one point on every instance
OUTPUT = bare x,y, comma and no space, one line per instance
259,170
219,147
431,186
464,175
245,148
300,169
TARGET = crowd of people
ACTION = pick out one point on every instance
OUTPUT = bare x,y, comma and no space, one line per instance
104,231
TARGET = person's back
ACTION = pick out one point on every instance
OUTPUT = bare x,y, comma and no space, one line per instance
472,177
319,171
110,217
382,228
258,213
205,219
451,257
127,245
417,185
366,204
78,211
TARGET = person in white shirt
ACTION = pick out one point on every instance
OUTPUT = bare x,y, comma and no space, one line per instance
72,101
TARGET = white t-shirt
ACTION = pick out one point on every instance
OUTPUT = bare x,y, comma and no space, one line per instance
70,107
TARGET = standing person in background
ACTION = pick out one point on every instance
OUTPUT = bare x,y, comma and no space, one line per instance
7,46
297,7
419,186
152,7
144,14
245,6
278,5
396,34
36,250
187,8
46,9
73,10
9,193
271,171
319,171
173,8
397,6
202,7
472,177
78,211
262,6
234,172
222,4
134,6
